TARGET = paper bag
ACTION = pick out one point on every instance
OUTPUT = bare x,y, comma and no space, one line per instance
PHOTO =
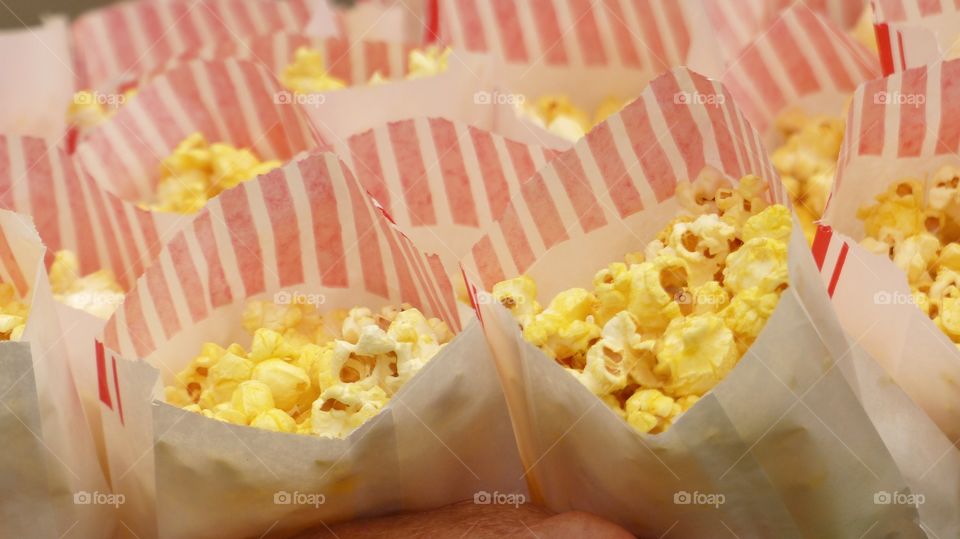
913,33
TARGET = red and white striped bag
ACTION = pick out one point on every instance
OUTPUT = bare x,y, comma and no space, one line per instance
306,228
889,141
801,60
737,23
52,484
115,44
913,33
784,442
34,102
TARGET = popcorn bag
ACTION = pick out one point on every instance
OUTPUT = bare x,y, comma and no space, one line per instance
305,234
913,33
781,447
116,44
891,144
52,484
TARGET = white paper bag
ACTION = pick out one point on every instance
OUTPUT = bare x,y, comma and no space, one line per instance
783,447
309,228
913,33
50,481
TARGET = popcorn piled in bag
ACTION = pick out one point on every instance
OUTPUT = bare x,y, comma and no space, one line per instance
89,109
663,327
308,72
98,293
197,171
13,314
558,115
919,229
806,162
310,373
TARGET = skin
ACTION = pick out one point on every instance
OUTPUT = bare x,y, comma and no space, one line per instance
467,519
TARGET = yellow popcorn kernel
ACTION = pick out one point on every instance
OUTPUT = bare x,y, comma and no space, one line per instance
567,127
193,408
275,420
611,286
549,107
13,314
196,172
374,341
562,329
308,73
177,396
949,257
773,222
699,196
695,353
922,301
746,200
252,397
897,214
655,288
748,313
286,381
948,319
876,246
225,413
97,293
703,244
710,297
377,79
916,254
427,62
268,344
609,358
356,319
85,110
226,374
649,410
613,403
344,407
760,263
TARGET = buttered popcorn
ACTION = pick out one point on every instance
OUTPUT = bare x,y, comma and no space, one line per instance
88,108
197,171
558,114
309,373
13,314
806,162
308,73
661,328
919,229
98,293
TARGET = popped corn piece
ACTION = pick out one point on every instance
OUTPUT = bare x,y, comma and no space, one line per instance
13,314
562,329
275,420
746,200
949,257
356,319
760,262
196,171
773,222
916,254
876,246
226,374
703,244
748,313
97,293
225,413
427,62
286,381
699,196
897,214
344,407
695,353
251,398
609,358
655,288
268,344
649,410
948,318
308,74
710,297
567,127
611,286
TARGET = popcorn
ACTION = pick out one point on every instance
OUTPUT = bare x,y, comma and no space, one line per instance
558,114
197,171
97,293
308,74
88,109
660,329
13,314
303,376
428,62
920,235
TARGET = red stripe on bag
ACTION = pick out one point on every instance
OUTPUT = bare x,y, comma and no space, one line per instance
651,35
377,59
9,261
6,174
102,386
544,211
588,33
825,41
753,63
244,238
456,182
495,183
623,36
188,277
447,295
220,293
948,134
512,46
837,269
419,270
402,270
432,27
903,57
679,118
551,36
678,28
472,294
81,222
613,171
913,113
487,264
570,172
125,234
472,30
153,29
406,148
646,146
43,202
148,227
136,324
286,231
721,133
929,7
371,257
367,166
821,242
116,385
790,56
119,32
162,300
872,116
517,242
325,219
